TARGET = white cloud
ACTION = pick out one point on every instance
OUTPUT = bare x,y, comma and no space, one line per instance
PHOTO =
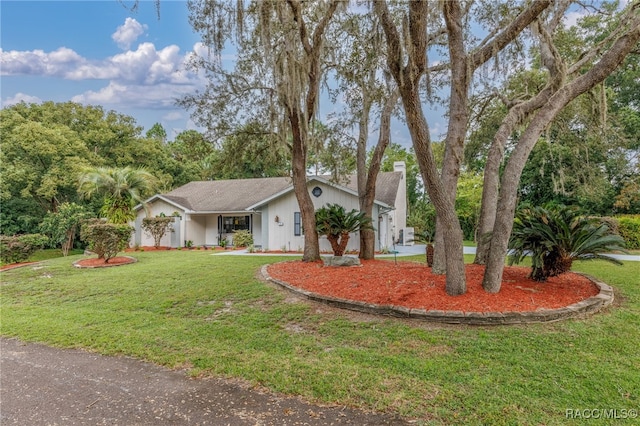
145,65
173,116
158,96
21,97
128,33
144,77
572,18
38,62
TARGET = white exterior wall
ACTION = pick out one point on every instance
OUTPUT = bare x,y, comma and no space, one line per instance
399,215
256,222
140,237
196,230
211,233
280,232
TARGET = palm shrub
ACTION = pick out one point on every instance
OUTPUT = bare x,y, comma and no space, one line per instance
557,235
426,237
336,224
121,189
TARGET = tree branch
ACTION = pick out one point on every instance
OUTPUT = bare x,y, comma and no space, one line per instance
525,18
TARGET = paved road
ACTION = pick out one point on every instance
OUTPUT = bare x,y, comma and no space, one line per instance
40,385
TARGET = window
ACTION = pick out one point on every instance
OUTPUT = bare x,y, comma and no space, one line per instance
235,223
297,224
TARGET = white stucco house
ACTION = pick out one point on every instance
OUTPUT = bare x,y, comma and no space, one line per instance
208,211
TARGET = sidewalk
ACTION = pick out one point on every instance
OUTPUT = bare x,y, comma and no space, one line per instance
417,249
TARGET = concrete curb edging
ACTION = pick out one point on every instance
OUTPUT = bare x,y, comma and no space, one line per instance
580,309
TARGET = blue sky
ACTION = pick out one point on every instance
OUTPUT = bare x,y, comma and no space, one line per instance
101,53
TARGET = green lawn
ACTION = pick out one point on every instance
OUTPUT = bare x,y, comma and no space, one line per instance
209,314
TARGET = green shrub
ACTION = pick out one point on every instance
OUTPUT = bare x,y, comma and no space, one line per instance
336,223
242,238
629,230
557,235
19,248
63,225
157,227
105,239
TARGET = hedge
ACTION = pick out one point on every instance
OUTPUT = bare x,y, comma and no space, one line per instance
18,248
629,229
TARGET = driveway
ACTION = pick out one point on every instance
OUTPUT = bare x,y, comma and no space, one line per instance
40,385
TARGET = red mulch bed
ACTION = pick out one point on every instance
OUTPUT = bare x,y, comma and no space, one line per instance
412,285
94,262
15,265
164,248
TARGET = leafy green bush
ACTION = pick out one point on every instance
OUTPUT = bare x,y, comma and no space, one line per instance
105,239
157,227
19,248
223,242
556,235
63,225
242,238
629,230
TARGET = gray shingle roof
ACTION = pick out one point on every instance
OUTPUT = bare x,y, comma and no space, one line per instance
386,186
226,195
238,194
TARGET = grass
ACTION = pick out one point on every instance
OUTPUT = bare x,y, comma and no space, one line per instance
210,315
47,254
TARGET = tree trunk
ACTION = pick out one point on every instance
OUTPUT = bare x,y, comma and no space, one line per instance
445,209
367,236
307,211
300,112
458,119
439,262
368,193
333,240
429,252
511,178
516,116
342,246
408,78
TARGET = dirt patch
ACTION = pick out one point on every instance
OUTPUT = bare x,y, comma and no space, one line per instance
412,285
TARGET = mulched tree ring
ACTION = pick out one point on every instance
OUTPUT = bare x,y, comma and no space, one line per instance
95,262
413,286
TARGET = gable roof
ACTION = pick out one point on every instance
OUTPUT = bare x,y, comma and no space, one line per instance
236,195
226,195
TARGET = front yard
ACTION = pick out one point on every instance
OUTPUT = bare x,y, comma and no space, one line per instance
210,315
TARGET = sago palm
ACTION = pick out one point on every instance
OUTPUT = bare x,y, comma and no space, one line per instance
555,236
336,223
426,237
122,189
